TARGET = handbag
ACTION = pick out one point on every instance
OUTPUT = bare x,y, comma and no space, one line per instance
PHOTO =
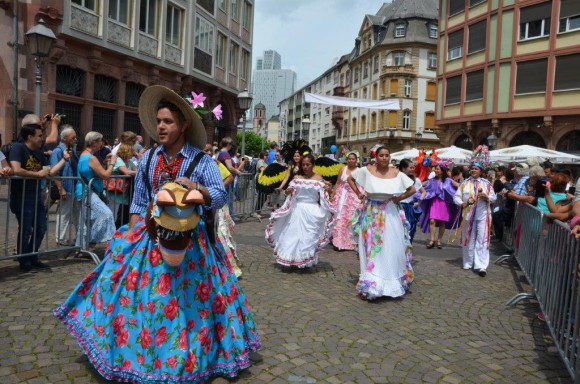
116,185
54,193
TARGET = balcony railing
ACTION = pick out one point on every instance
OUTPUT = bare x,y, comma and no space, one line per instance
407,69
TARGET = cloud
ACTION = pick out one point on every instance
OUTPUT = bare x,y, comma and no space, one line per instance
309,35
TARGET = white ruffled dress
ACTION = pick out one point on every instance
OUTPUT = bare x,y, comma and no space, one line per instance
302,226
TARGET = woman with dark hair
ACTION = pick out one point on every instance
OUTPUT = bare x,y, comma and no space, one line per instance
294,169
345,202
384,247
439,211
410,204
302,226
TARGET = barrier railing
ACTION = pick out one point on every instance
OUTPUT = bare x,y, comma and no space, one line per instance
247,200
549,257
51,225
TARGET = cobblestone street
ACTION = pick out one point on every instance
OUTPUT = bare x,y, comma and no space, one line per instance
453,327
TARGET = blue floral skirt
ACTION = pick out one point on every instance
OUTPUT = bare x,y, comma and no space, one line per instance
140,320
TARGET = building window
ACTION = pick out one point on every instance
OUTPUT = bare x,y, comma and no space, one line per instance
433,31
105,89
148,17
569,15
119,11
475,2
203,34
208,5
173,26
535,21
364,93
531,76
431,91
406,119
327,111
477,37
234,49
132,123
474,86
356,74
400,29
245,69
392,119
366,70
88,4
453,90
376,64
374,121
456,6
353,127
363,124
104,122
73,114
429,120
455,45
223,5
408,85
567,72
398,58
220,54
70,81
246,15
432,60
375,92
133,93
234,9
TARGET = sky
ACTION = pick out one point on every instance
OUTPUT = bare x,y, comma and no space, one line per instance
308,34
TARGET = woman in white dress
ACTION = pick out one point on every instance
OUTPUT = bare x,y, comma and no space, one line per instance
303,225
384,245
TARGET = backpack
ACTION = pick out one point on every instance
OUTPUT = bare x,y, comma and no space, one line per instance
6,149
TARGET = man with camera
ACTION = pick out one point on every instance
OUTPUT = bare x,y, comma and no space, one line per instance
63,189
29,161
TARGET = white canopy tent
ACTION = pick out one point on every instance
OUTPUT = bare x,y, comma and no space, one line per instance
406,154
523,152
392,105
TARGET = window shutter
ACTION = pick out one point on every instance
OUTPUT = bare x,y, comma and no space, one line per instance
431,91
453,90
392,119
567,72
429,120
536,12
474,86
455,40
531,76
394,86
569,8
477,37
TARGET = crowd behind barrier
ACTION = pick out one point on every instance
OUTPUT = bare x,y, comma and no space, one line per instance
549,257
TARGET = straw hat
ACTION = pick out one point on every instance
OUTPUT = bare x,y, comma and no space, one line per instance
175,208
195,133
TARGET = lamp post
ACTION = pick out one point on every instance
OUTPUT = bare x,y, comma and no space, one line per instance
418,137
492,140
244,102
305,125
39,40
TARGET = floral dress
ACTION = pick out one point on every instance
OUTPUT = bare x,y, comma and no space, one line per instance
302,226
346,203
140,320
384,246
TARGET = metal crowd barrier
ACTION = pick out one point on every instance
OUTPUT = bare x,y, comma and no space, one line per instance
549,257
247,198
60,217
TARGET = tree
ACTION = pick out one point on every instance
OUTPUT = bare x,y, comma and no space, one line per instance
254,143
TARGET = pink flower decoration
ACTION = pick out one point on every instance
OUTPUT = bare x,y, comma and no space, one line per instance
197,100
217,112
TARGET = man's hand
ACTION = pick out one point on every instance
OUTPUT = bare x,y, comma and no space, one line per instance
44,172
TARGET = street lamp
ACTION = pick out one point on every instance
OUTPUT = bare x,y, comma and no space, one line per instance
39,40
244,102
305,125
418,136
492,140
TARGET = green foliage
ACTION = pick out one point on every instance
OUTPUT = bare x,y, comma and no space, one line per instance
253,143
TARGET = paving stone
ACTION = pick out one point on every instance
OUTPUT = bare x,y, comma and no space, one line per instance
452,327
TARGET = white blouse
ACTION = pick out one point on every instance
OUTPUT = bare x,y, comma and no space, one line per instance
378,188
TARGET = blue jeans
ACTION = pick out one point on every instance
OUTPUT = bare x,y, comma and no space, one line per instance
31,216
231,191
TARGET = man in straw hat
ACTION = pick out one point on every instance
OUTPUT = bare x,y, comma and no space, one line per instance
149,319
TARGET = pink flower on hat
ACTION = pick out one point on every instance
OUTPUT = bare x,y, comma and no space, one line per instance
197,100
217,112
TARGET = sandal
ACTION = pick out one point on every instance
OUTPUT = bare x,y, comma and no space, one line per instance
430,244
439,245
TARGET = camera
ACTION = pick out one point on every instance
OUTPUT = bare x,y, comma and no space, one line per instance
48,117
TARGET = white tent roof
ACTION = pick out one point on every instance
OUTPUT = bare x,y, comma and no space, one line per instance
406,154
456,154
523,152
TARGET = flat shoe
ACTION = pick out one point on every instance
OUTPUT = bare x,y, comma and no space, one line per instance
430,245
